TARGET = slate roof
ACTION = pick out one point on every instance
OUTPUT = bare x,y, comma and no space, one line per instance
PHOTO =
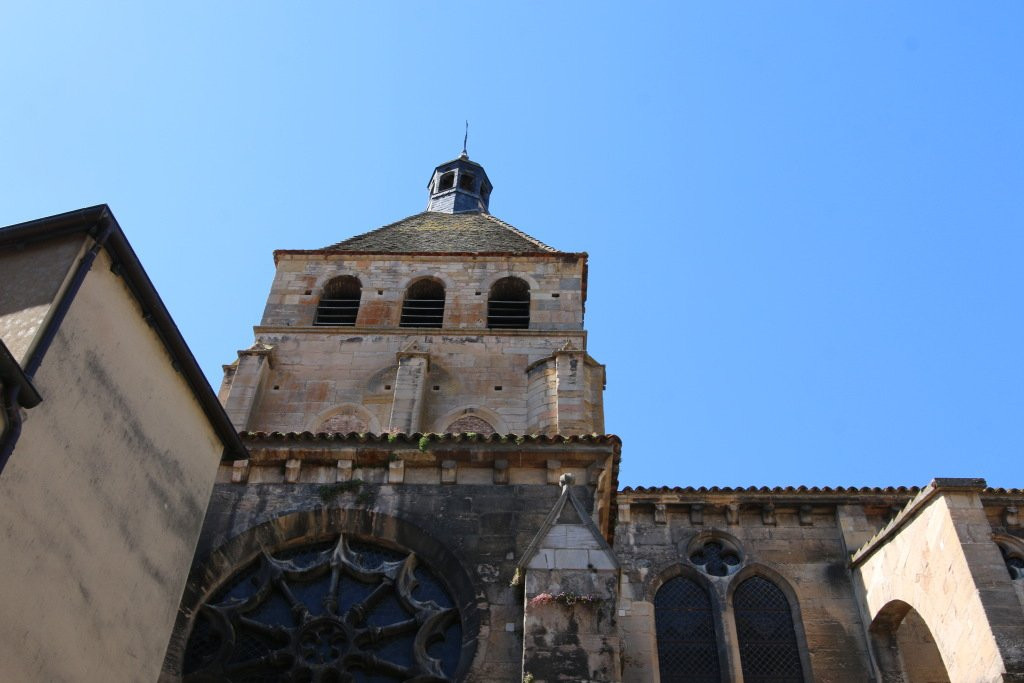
445,233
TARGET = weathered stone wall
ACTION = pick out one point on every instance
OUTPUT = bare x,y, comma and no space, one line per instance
470,510
795,542
33,276
103,497
556,287
314,373
939,558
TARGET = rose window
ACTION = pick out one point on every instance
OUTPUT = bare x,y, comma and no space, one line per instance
344,612
715,558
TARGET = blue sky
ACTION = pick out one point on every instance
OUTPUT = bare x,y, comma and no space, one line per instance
804,219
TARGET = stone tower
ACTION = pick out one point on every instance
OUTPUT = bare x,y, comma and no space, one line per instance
427,474
447,321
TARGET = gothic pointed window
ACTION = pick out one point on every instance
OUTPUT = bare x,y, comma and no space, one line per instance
424,304
687,647
345,611
1014,559
339,302
767,636
508,306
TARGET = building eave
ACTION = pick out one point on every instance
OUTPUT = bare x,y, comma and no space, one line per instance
93,221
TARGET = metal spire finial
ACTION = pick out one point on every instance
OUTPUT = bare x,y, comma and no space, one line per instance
465,139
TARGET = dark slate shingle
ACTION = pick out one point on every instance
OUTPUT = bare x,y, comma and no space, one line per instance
435,232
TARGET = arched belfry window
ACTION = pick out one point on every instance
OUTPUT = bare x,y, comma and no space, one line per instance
344,611
424,304
767,636
685,626
339,302
509,305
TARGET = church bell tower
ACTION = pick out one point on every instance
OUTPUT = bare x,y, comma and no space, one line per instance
447,321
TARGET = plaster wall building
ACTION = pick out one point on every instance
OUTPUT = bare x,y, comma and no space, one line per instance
109,449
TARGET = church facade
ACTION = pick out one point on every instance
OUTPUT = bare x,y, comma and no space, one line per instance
430,494
416,484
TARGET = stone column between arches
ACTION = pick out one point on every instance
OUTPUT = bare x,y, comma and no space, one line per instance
410,388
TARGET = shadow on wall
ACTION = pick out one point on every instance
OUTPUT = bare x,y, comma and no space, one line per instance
904,647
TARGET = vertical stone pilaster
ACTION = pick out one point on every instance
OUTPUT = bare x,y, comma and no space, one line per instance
247,384
410,392
570,374
542,398
560,399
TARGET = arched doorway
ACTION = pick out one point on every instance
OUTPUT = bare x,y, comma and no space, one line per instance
904,647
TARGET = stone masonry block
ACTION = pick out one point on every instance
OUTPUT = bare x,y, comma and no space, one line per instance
660,513
501,471
554,471
396,472
449,471
239,471
292,468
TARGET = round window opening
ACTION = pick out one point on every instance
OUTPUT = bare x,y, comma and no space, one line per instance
347,611
716,557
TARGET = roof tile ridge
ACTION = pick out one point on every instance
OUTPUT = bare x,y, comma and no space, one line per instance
336,245
517,231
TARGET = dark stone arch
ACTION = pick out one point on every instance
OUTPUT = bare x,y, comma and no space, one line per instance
292,530
904,648
769,629
339,302
423,305
688,627
508,304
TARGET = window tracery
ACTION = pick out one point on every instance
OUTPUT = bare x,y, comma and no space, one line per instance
349,611
767,636
684,622
716,557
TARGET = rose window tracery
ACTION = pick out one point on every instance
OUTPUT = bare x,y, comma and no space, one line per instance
344,612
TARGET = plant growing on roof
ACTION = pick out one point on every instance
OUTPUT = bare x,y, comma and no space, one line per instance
567,598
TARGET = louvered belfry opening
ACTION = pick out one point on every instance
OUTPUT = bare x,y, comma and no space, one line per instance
508,307
767,637
685,627
339,302
424,304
